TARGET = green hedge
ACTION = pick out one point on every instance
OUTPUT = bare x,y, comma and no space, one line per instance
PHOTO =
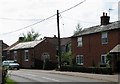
97,70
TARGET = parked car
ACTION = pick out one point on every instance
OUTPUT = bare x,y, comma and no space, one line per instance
11,64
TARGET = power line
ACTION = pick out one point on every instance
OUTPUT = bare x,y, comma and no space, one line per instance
73,7
29,25
45,18
14,19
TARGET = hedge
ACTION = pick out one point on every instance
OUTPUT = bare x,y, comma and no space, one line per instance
97,70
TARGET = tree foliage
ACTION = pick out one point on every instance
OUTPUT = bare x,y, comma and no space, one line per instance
78,29
30,36
66,58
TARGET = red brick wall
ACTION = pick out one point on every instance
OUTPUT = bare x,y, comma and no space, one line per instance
21,59
93,48
36,52
47,47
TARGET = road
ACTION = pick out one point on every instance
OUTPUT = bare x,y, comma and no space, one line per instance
27,75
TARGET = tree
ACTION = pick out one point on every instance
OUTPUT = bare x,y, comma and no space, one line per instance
30,36
66,58
78,29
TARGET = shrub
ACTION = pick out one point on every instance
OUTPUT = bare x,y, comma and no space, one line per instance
4,74
97,70
49,65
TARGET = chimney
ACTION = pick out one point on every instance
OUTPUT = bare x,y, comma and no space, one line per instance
105,19
21,39
55,36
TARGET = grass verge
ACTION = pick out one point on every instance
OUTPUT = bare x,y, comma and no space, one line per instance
9,81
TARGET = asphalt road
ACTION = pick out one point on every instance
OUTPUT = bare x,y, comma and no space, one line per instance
25,75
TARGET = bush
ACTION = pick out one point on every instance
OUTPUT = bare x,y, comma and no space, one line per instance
97,70
49,65
4,74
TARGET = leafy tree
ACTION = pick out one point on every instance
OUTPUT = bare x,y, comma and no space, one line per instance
66,58
78,29
30,36
109,59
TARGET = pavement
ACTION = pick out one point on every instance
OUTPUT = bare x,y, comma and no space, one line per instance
108,78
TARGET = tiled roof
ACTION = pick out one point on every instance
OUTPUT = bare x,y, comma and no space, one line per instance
116,49
25,45
64,41
99,28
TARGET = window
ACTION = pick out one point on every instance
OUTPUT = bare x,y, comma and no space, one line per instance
45,56
104,37
15,55
26,55
79,41
103,59
79,59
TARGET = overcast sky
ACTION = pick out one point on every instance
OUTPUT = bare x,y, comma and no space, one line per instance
17,14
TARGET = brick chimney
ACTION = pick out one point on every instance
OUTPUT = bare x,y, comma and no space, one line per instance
105,19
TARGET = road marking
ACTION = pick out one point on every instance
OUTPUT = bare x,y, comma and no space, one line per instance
30,74
51,79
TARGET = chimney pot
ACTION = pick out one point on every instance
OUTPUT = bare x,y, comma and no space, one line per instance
105,19
103,13
106,14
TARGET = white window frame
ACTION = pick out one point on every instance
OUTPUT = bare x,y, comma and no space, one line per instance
15,55
103,61
79,59
104,37
45,56
26,55
79,42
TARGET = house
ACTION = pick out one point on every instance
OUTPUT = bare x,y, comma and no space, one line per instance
65,45
32,54
91,45
2,47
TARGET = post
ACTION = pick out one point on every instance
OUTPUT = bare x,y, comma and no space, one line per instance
59,42
1,62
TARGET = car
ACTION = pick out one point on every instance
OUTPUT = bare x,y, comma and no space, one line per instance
11,64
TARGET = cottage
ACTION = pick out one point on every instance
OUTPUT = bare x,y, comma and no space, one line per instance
32,54
91,45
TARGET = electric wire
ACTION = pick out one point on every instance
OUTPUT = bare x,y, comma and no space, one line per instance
44,19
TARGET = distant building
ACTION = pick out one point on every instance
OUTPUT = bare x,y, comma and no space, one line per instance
32,54
91,45
2,47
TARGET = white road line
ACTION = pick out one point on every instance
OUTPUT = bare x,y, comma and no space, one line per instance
31,75
51,79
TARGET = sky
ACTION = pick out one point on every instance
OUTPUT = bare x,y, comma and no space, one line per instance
17,15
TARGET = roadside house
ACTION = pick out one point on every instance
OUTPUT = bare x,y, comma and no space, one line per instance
65,47
91,45
32,54
3,46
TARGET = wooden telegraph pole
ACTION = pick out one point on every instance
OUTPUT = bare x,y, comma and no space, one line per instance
59,42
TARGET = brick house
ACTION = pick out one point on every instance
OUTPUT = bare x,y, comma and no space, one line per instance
36,50
91,45
3,46
32,54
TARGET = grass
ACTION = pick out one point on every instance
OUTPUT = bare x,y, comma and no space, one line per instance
10,81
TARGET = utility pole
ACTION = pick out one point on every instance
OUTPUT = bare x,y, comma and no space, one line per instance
59,42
